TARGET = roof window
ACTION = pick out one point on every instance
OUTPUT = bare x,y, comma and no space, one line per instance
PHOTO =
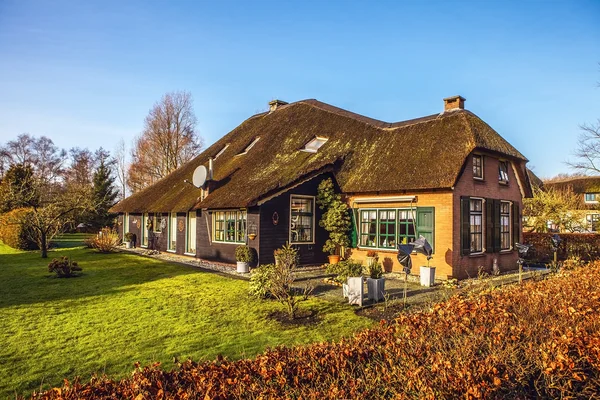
315,144
247,149
222,151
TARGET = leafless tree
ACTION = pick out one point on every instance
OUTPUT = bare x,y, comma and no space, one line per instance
168,141
41,154
588,149
121,168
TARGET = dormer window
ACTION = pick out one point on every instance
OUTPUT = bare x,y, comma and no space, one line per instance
592,198
478,166
222,151
247,149
503,172
315,144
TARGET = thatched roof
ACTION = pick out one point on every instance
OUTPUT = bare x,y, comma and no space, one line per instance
367,155
579,184
534,180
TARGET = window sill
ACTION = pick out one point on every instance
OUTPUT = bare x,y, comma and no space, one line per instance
479,254
220,242
478,179
299,243
171,251
503,183
144,246
506,251
190,254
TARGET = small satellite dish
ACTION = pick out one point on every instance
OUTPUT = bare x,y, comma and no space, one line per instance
199,177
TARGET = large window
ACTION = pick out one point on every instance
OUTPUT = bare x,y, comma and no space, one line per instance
385,228
593,221
158,221
172,240
125,225
503,171
477,166
302,219
229,226
190,242
505,220
476,223
144,230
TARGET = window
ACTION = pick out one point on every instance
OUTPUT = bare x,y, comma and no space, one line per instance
503,171
591,198
125,224
190,242
222,151
315,144
229,226
158,221
476,223
593,222
172,240
477,166
144,230
302,219
385,228
505,243
247,149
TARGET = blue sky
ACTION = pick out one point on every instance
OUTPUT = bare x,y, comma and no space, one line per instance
86,73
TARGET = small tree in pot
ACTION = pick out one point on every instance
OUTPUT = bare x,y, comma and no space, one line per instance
375,282
335,219
244,256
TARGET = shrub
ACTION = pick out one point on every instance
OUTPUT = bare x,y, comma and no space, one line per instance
583,245
64,267
16,229
105,241
260,281
374,270
129,237
335,219
345,269
244,254
540,339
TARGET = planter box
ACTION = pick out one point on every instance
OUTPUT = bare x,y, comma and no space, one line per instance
375,288
345,290
427,276
128,245
242,267
356,291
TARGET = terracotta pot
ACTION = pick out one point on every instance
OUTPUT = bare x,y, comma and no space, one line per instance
334,259
252,236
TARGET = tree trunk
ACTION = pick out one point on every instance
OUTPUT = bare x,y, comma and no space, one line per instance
44,245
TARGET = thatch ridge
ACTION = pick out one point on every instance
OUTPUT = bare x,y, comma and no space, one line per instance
370,156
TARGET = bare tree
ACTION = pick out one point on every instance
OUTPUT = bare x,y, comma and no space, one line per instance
588,149
121,167
168,141
41,154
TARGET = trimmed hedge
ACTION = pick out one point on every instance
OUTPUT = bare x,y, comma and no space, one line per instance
14,229
583,245
540,339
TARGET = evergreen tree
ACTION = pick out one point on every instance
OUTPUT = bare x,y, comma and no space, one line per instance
18,188
104,193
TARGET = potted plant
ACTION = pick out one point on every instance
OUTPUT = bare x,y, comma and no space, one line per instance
335,220
375,282
244,256
343,270
129,240
371,257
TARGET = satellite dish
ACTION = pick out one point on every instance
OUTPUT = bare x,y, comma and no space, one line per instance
199,177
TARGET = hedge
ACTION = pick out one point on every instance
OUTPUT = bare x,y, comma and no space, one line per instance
540,339
583,245
14,229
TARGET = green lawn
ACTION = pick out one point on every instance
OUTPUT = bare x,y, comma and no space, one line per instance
127,308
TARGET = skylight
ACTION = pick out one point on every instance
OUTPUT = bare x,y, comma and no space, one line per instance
222,151
315,144
247,149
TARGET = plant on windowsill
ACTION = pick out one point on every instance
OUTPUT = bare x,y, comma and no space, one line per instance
335,220
129,240
244,256
371,257
375,282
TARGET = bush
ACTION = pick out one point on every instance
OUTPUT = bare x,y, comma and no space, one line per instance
244,254
260,281
583,245
64,267
345,269
129,237
540,339
105,241
16,230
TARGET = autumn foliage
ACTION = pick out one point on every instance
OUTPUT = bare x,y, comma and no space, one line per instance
538,339
583,245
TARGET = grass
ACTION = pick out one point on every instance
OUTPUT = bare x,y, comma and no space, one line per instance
126,308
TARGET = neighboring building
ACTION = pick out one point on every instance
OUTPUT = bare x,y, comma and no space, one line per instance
449,177
587,188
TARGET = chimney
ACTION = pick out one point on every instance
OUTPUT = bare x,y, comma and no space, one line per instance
273,104
210,169
454,103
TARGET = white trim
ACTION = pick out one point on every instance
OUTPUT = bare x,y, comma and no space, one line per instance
482,177
247,149
222,151
314,217
483,226
214,225
170,230
171,251
388,199
189,254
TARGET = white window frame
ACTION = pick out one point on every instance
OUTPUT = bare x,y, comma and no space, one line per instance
251,145
508,165
144,232
222,151
314,217
125,225
479,178
510,226
214,226
171,228
315,144
586,201
188,230
483,226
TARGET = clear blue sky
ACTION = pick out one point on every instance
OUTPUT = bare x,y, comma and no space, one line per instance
86,73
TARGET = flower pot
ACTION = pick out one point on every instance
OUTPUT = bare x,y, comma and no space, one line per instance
356,291
370,260
252,236
242,267
427,276
375,288
128,245
345,290
334,259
